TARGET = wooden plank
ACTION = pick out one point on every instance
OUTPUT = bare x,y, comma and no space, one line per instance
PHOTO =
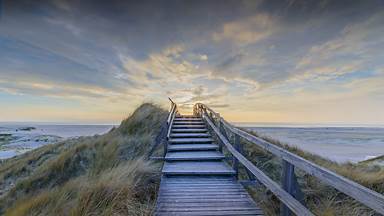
209,208
189,135
170,124
188,119
171,200
193,191
188,123
188,126
204,195
171,113
190,130
197,181
192,147
207,204
197,168
211,213
191,140
364,195
197,189
193,155
285,197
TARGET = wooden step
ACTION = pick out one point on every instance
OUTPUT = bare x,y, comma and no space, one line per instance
197,168
187,180
190,140
206,212
188,119
189,135
192,147
190,130
188,116
188,123
188,126
194,156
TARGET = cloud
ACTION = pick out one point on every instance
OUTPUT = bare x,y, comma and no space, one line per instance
246,31
255,54
203,57
356,48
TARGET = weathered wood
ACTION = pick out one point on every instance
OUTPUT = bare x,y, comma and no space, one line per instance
187,126
190,130
197,168
190,140
192,147
196,180
171,113
288,182
171,123
193,155
211,213
188,119
189,135
188,123
235,161
364,195
196,195
285,197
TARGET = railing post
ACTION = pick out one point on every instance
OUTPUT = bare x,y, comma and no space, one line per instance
289,184
222,130
235,161
165,147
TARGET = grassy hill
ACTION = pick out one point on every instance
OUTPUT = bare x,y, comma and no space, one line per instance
320,198
99,175
109,175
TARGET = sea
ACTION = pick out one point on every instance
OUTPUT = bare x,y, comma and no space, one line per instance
340,143
18,138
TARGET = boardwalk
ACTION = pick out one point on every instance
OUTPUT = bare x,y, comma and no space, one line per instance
196,179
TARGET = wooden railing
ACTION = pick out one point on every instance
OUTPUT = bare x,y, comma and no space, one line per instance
164,133
171,117
289,192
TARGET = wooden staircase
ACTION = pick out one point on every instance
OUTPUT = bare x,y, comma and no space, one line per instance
196,180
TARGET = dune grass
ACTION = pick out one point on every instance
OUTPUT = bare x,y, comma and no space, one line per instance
99,175
321,199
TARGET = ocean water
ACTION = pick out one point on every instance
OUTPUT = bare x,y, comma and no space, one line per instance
16,139
340,144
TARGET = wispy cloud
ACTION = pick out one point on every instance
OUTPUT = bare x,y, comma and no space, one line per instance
267,57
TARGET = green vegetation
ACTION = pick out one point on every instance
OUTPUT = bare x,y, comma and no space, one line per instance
109,175
319,198
99,175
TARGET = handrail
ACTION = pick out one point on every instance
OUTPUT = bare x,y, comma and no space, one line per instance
170,125
171,117
171,113
370,198
284,196
164,133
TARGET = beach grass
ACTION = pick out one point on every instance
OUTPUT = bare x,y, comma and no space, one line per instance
99,175
320,198
109,175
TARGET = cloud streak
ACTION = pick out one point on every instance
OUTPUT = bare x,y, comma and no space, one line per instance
257,54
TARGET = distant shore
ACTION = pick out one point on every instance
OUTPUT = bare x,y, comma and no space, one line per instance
19,138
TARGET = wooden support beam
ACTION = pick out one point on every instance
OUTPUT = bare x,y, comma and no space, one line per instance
285,197
235,161
289,184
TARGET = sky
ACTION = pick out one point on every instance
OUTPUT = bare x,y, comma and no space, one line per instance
294,61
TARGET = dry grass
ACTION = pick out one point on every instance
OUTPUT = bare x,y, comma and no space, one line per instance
100,175
320,198
122,190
